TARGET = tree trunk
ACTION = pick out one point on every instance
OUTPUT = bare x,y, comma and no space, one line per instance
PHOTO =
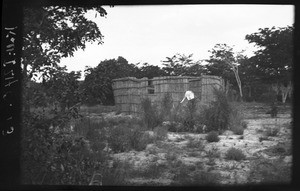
235,70
285,91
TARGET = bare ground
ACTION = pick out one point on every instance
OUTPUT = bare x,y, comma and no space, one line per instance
268,158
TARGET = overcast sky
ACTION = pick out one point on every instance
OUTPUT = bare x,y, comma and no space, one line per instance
152,33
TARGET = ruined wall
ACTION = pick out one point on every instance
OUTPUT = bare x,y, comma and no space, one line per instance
129,92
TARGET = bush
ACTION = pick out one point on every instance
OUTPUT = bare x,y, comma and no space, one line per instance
184,177
195,143
160,132
234,154
244,124
151,117
56,155
217,115
213,153
272,132
236,123
116,175
189,120
268,97
118,138
171,156
124,138
166,107
269,171
138,139
212,136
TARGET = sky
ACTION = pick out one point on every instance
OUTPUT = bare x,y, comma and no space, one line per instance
152,33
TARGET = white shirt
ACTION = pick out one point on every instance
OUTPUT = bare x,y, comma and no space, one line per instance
188,95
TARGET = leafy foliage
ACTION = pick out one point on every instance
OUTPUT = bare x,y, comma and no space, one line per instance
123,138
217,115
160,132
271,131
151,117
63,87
212,136
56,155
275,56
150,71
189,120
184,177
51,33
180,64
234,154
56,31
236,123
269,171
195,143
166,107
97,86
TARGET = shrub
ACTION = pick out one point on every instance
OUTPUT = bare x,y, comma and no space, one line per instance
236,121
124,138
151,117
212,136
201,177
234,154
184,177
138,139
272,132
217,115
56,155
166,107
269,171
189,120
213,153
278,150
93,131
117,174
268,97
171,156
244,124
118,138
160,132
195,143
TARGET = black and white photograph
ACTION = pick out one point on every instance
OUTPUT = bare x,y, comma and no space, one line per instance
156,95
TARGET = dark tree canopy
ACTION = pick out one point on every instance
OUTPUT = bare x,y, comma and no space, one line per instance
53,32
50,33
182,65
98,81
273,61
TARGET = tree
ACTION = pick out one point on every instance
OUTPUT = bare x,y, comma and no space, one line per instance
223,60
97,86
63,87
274,58
150,71
182,65
53,32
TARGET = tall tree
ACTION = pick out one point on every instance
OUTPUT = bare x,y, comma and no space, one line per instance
97,86
223,61
63,87
182,65
274,58
53,32
150,71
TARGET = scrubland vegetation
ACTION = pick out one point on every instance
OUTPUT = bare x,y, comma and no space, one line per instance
69,150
